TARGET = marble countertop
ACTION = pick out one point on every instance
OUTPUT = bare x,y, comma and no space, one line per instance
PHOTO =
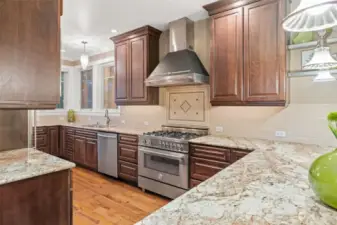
268,186
26,163
112,129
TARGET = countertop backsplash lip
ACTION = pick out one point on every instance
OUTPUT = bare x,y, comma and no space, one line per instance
25,163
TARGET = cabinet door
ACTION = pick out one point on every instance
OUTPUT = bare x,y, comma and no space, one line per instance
29,54
91,154
121,64
53,140
264,52
138,68
79,150
227,58
62,142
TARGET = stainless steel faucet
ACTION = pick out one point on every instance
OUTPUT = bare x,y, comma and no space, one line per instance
107,118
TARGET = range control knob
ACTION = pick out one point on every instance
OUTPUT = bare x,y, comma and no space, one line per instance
148,142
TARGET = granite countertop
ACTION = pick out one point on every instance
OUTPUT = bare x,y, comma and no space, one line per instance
26,163
268,186
112,129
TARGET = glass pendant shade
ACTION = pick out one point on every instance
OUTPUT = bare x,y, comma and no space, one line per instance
324,76
321,60
84,61
312,15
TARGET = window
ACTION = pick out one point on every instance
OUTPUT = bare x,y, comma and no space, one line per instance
109,87
61,104
86,89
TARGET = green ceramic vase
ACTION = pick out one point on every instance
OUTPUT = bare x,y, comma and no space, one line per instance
323,178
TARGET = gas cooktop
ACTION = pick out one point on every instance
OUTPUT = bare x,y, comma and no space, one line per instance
172,138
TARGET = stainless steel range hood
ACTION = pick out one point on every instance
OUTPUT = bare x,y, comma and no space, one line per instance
181,66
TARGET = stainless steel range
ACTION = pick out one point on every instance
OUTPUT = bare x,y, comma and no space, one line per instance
163,159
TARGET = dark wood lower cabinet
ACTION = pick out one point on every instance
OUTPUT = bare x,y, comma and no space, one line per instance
53,141
79,150
128,171
206,161
202,169
47,140
91,155
128,157
43,200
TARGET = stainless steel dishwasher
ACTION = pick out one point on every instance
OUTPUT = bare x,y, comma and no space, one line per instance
107,154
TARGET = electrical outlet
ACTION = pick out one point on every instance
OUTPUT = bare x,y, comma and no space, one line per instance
280,133
219,129
89,118
146,123
123,121
61,118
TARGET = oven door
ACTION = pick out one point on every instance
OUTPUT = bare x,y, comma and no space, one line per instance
164,166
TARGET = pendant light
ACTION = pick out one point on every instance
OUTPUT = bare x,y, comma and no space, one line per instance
84,57
312,15
321,59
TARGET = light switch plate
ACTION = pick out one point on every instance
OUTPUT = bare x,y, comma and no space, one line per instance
280,133
61,118
146,123
89,118
123,121
219,129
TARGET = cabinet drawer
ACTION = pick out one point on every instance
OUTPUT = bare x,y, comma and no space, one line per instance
127,171
202,169
210,152
128,139
194,183
86,133
69,130
128,153
237,155
41,130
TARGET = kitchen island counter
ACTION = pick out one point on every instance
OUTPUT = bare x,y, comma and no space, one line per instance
268,186
21,164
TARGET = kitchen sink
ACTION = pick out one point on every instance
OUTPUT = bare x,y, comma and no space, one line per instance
97,126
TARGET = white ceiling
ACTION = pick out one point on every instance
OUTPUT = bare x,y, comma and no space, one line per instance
93,20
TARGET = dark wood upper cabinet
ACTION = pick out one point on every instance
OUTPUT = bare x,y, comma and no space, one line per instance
265,52
30,54
121,67
226,57
248,52
136,56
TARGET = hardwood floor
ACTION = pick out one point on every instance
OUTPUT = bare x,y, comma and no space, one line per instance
101,200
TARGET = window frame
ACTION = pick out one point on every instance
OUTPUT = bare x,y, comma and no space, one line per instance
80,94
102,67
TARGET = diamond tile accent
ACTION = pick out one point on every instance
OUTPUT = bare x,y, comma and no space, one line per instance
185,106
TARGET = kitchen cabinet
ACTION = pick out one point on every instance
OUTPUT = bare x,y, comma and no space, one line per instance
91,155
30,54
85,148
128,157
47,139
79,150
248,53
69,139
53,139
42,200
206,161
136,56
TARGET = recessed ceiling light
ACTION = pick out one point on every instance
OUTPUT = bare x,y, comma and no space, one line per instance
113,31
63,50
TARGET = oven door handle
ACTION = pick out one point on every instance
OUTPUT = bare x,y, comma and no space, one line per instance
171,155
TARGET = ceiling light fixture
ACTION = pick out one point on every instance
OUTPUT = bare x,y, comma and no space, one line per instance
312,15
113,31
84,57
62,50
